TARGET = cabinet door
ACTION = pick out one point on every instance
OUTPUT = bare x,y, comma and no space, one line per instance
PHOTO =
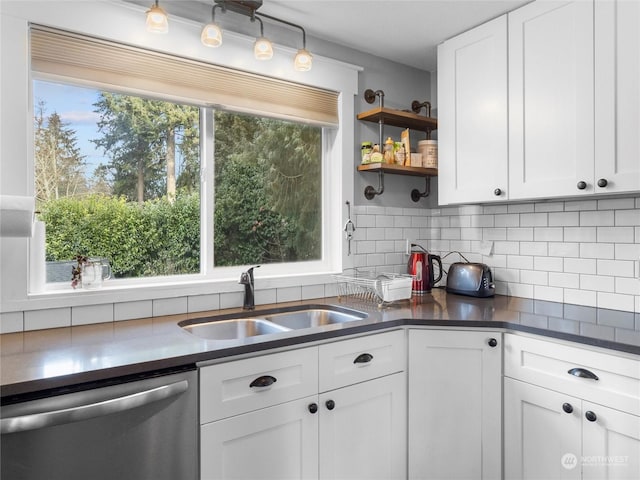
551,98
541,439
363,431
611,444
277,443
472,123
455,406
617,66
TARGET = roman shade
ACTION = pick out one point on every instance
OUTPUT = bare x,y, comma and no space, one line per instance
119,67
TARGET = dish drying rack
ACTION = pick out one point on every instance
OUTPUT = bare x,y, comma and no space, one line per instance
381,288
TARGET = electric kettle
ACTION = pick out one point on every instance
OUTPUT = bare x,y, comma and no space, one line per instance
421,266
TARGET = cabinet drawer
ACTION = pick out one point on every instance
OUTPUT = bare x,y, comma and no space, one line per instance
363,358
226,389
549,364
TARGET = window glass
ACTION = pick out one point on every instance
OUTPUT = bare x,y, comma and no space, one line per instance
118,177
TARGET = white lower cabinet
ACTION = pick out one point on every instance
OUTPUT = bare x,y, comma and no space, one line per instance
276,430
455,404
363,436
553,428
279,442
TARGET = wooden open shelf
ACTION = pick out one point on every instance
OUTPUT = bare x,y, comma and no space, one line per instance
398,169
399,118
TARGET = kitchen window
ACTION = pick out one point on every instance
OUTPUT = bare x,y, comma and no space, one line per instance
160,184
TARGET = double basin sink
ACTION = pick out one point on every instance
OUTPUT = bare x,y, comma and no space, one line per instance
241,326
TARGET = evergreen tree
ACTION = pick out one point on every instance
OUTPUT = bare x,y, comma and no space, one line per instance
59,166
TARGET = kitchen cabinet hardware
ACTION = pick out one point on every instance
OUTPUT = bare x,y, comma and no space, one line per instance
589,415
330,404
363,358
492,342
313,407
581,185
497,192
263,381
567,407
583,373
602,182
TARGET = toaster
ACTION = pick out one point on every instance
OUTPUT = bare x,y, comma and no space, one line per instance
473,279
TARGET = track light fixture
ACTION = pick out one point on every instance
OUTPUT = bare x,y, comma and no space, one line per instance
157,20
211,35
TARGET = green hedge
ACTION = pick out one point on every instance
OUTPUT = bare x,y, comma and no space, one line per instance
154,238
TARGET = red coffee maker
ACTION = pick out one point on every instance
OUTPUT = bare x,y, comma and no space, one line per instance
421,266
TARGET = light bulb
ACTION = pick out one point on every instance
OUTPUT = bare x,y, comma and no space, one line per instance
262,49
211,35
157,20
303,60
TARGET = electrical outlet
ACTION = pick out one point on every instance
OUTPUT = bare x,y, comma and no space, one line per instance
407,248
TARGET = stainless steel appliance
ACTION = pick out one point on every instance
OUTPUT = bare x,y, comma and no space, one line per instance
421,266
473,279
130,428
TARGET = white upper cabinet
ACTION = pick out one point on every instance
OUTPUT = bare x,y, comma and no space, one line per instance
551,99
472,99
617,99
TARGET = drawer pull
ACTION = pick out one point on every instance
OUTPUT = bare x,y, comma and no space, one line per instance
492,342
330,404
263,381
583,373
567,407
313,407
363,358
591,416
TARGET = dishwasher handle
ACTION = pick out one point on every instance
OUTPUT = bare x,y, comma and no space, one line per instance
85,412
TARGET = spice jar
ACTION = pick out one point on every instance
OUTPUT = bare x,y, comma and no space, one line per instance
365,151
388,151
429,150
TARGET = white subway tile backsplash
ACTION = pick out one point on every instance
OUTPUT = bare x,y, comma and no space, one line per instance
580,265
578,205
615,268
580,234
471,234
536,249
616,234
558,249
495,209
519,290
132,310
548,264
597,283
507,220
534,277
549,207
627,251
597,250
384,221
506,248
49,318
580,297
520,208
461,221
551,294
494,234
364,221
89,314
548,234
520,262
534,220
169,306
627,217
520,234
565,280
597,218
615,301
628,286
564,219
616,203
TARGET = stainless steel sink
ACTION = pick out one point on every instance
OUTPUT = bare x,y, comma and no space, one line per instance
315,317
269,322
234,329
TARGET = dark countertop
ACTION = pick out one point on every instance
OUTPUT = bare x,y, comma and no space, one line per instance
57,358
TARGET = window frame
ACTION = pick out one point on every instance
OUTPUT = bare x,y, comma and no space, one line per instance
89,18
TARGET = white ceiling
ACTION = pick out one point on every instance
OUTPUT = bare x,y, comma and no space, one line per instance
406,31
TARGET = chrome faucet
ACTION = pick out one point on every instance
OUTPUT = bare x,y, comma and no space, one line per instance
246,279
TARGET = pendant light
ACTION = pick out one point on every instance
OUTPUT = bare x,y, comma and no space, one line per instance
211,33
157,19
262,49
303,60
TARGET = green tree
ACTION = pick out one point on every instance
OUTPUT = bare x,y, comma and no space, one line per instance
59,166
142,137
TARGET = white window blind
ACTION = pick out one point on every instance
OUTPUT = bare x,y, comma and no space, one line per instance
115,66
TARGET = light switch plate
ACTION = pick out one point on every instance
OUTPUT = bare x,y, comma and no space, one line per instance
486,247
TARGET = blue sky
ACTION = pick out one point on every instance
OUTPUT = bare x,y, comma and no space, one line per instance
75,107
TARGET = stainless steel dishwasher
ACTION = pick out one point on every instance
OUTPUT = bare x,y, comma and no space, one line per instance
144,428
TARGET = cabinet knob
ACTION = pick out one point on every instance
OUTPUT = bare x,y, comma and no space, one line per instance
330,404
313,407
581,185
567,407
497,192
492,342
602,182
263,381
591,416
363,358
